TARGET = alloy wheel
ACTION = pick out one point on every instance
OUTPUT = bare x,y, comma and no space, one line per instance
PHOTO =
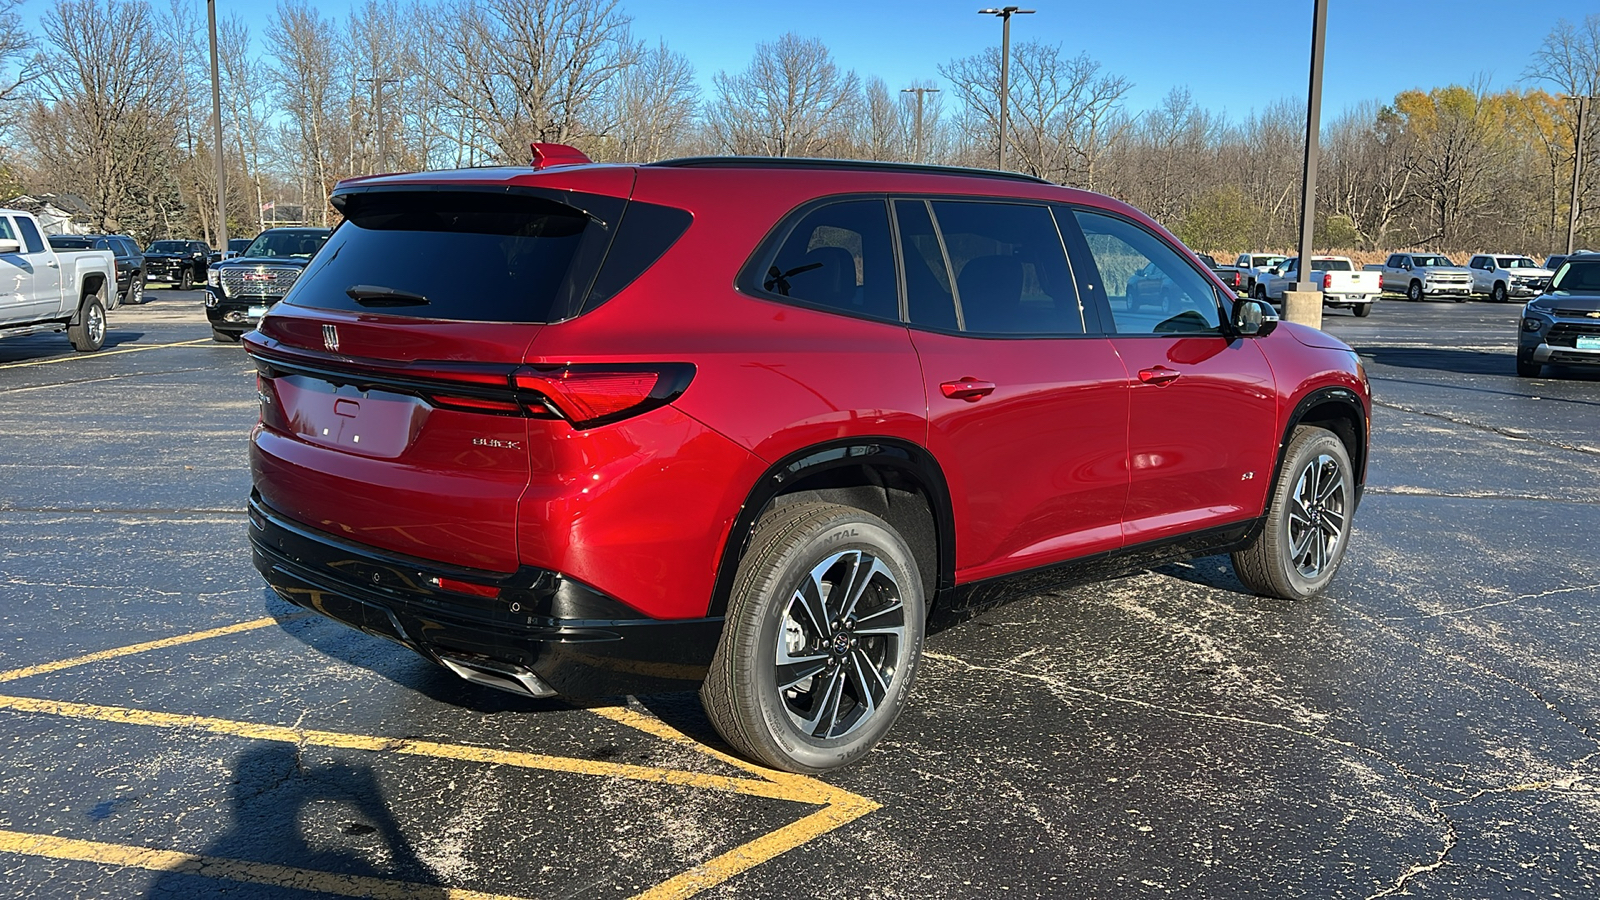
839,643
1318,516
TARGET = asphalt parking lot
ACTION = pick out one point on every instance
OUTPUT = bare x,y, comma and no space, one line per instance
1430,727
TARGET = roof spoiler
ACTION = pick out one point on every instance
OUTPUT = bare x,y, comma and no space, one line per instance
548,156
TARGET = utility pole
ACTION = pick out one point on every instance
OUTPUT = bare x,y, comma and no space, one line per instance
1577,169
1308,183
377,102
216,131
1005,13
919,91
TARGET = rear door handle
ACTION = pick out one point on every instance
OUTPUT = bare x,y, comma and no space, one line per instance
1158,375
969,389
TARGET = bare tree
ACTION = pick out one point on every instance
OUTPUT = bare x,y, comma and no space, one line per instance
1569,60
308,71
1368,168
17,57
247,97
792,100
655,104
102,123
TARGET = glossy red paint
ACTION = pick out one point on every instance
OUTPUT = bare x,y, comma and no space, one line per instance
1073,452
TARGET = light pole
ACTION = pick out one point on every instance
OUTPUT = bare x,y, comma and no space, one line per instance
1577,169
1005,13
216,131
1308,183
919,91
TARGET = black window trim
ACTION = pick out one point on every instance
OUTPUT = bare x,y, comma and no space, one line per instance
749,277
1078,244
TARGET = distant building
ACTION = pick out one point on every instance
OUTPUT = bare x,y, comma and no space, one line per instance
57,213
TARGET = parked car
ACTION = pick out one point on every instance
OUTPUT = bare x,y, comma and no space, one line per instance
236,246
1336,277
240,290
42,291
1252,266
1554,262
743,424
1503,276
129,259
178,262
1562,327
1422,275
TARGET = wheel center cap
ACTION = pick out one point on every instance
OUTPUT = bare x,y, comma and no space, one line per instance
841,644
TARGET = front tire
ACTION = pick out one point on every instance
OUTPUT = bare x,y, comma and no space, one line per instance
225,337
1414,291
89,334
1498,293
136,289
1528,368
1308,522
185,280
823,638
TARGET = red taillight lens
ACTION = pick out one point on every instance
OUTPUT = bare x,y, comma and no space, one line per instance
593,395
1327,280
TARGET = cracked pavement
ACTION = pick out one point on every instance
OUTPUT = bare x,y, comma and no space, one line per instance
1429,727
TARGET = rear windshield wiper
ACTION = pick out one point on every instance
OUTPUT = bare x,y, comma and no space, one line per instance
377,295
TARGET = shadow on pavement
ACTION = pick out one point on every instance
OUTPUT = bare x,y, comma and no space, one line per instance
327,818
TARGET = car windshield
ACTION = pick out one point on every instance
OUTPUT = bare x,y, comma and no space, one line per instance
168,247
1577,277
299,244
1516,262
1431,261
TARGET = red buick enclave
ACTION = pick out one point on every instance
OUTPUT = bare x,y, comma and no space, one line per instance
745,424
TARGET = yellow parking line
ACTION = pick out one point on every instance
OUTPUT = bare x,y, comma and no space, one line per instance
131,649
311,737
46,362
240,870
839,807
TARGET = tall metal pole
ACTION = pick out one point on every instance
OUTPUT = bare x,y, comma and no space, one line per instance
216,131
1308,184
919,91
1005,13
1577,169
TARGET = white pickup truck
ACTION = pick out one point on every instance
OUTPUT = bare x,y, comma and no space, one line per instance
43,292
1342,286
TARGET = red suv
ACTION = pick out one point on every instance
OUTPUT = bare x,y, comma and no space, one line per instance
744,424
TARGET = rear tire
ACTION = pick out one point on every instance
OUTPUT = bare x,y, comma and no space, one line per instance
1362,310
89,334
1297,551
823,638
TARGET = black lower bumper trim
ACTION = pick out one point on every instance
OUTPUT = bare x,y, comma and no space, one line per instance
573,638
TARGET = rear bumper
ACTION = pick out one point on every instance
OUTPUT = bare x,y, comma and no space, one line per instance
571,639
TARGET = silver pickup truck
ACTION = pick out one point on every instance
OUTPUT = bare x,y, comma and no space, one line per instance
43,292
1420,275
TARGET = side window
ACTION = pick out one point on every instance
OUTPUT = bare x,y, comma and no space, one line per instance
1011,273
1149,287
1394,262
5,230
129,248
929,301
31,240
839,256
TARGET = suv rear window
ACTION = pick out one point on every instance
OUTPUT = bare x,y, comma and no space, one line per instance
473,256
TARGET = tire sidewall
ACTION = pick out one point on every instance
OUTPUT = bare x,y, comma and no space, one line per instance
1414,291
1318,442
761,627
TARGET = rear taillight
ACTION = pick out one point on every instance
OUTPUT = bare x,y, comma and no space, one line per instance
1327,280
465,587
589,395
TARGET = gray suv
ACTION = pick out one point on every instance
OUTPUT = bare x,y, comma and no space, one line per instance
1562,327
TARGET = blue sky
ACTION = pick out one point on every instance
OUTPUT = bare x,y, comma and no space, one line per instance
1233,55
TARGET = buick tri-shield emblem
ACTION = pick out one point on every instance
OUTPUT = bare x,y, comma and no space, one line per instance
330,338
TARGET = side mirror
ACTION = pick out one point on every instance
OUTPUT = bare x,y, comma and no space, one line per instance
10,245
1253,318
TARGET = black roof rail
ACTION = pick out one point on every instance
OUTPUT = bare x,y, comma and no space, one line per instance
801,162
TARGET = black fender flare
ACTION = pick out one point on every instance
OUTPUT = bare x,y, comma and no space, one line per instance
1340,396
883,452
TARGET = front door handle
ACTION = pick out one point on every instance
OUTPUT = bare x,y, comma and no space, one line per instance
1158,375
969,389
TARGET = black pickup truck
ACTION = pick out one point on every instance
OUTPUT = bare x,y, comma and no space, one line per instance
239,291
180,262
